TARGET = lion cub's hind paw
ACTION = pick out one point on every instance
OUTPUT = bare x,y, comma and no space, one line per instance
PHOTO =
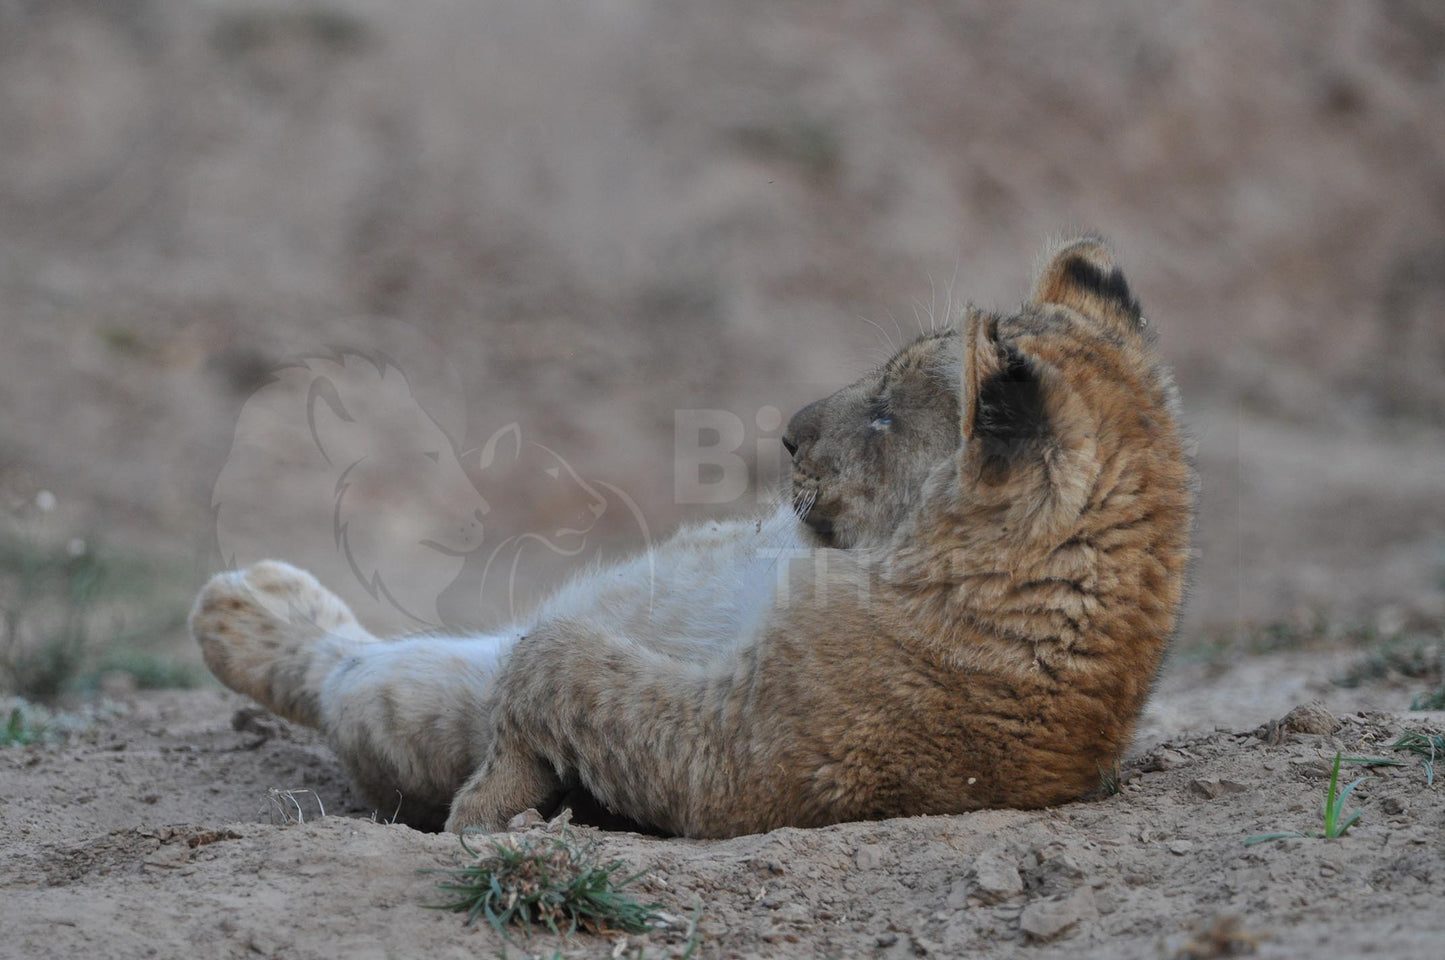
508,782
464,818
255,628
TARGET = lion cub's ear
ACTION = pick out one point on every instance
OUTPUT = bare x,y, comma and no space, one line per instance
1081,275
1001,399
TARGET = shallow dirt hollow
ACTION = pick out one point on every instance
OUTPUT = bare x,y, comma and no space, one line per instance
161,833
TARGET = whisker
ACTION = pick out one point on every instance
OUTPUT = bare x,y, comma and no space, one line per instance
918,317
887,340
896,326
953,285
932,301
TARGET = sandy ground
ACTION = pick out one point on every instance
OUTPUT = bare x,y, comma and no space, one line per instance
582,218
155,835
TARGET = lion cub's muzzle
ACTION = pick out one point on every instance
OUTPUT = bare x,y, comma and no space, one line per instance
802,433
806,494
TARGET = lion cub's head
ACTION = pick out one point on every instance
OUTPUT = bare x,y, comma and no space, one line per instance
861,456
1022,411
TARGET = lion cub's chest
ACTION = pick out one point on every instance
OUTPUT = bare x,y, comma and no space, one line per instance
706,586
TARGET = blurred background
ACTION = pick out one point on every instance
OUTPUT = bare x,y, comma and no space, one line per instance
498,245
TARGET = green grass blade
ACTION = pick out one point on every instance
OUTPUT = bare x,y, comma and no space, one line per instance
1349,822
1266,837
1426,746
1330,808
1374,761
1340,800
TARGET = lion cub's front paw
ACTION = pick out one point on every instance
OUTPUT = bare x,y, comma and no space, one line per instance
251,622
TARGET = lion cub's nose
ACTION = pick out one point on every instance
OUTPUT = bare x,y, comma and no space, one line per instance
803,429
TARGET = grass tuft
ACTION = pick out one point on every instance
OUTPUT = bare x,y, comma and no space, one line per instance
22,729
152,671
1111,779
24,723
1427,746
248,32
1336,821
554,882
1433,700
47,595
70,612
1412,656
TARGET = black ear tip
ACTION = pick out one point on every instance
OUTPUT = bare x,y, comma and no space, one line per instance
1081,274
1107,283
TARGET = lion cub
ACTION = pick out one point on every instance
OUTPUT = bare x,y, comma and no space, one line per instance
965,607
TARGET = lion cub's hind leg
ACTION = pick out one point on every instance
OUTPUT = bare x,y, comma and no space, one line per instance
273,632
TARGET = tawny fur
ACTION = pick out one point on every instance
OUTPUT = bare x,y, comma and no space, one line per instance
989,565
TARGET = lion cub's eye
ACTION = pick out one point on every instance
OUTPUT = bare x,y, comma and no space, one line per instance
878,409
